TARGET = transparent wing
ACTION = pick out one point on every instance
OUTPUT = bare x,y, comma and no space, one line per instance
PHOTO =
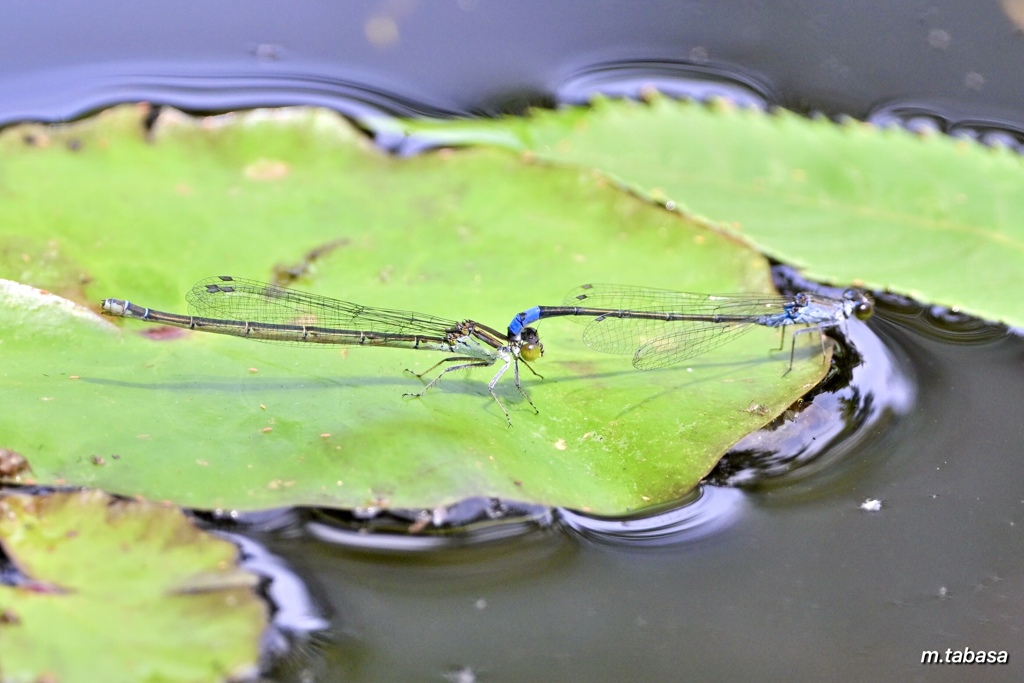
691,341
660,342
233,298
650,299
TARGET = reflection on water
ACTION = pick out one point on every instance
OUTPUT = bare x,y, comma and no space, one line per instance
924,118
296,618
940,322
468,523
206,89
704,512
698,80
707,511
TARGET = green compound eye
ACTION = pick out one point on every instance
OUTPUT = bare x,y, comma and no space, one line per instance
530,348
531,352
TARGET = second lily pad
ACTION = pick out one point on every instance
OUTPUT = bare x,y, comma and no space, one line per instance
115,590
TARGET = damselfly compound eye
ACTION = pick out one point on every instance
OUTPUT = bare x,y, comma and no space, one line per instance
531,352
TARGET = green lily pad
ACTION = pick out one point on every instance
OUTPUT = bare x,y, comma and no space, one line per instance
208,421
120,590
932,217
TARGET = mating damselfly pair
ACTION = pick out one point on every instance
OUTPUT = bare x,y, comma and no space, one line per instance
659,327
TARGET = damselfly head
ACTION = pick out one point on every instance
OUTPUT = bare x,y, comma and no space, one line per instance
861,304
530,348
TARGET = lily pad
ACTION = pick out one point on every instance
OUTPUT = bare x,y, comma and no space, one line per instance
115,590
933,217
208,421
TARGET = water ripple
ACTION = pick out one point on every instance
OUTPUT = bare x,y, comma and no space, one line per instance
707,511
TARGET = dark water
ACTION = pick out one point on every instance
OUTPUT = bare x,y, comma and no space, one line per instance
952,62
784,577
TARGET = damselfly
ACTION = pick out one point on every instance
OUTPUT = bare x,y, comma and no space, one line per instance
661,327
266,312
